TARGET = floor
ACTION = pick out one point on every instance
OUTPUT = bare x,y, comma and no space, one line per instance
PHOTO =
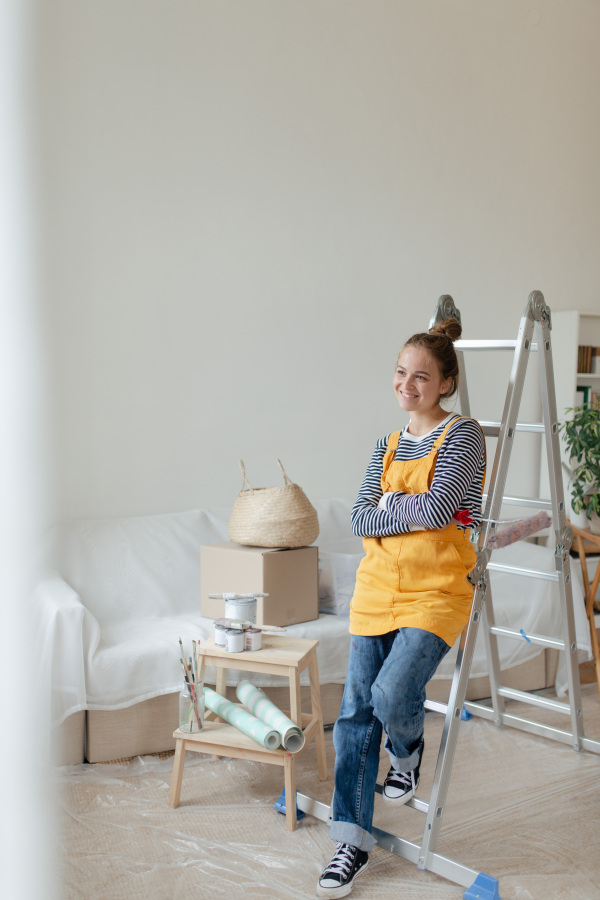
521,808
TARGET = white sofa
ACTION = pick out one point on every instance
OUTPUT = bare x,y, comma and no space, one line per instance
119,593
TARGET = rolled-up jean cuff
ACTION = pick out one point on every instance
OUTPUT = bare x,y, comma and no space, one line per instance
351,833
408,763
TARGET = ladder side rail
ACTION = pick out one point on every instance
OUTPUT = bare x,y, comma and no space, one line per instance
463,389
446,309
508,427
438,864
564,535
493,656
450,731
496,492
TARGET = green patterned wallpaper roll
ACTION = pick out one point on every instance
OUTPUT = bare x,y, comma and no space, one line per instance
292,737
242,719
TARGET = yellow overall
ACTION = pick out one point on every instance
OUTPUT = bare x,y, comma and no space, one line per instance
419,579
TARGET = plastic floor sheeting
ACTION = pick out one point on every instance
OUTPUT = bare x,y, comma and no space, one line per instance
522,809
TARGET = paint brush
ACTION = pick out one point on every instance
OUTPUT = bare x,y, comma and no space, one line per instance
191,685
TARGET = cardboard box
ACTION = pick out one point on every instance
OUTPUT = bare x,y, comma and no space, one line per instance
289,577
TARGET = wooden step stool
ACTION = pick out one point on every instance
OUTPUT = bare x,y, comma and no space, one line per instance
279,655
586,541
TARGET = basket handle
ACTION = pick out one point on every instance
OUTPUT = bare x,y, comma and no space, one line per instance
285,477
245,480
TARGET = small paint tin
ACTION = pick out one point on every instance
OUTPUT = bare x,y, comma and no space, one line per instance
220,639
241,609
235,640
253,638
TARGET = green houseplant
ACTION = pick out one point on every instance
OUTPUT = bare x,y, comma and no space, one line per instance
581,436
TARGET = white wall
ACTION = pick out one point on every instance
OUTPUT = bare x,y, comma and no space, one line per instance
249,206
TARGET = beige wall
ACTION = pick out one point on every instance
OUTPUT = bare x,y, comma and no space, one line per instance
249,205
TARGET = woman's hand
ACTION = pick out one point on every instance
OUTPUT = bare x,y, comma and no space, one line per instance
385,498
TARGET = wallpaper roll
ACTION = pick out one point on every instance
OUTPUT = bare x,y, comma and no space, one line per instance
292,736
241,718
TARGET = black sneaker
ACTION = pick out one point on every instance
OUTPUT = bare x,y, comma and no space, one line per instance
398,786
347,862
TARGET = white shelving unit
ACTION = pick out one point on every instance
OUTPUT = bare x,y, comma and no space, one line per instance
570,328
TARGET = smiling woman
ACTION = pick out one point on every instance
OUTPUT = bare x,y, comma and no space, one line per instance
426,374
418,500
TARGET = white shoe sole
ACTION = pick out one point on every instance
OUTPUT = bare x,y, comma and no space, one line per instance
402,799
341,891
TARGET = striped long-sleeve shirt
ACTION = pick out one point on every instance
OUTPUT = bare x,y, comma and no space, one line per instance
456,484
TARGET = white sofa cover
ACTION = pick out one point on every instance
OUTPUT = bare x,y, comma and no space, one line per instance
122,592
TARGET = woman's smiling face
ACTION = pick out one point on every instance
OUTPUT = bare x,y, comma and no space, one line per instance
418,382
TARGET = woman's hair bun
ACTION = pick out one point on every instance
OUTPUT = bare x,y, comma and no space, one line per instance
450,328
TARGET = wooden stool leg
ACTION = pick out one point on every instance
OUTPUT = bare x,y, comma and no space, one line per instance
221,685
590,614
317,711
589,594
220,688
177,776
584,571
594,588
290,793
295,696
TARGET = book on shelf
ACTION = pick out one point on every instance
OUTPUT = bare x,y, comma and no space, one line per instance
585,355
585,396
582,395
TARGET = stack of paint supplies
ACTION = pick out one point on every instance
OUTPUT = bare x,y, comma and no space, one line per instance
261,720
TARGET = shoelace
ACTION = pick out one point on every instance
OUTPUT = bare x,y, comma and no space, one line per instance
342,860
405,778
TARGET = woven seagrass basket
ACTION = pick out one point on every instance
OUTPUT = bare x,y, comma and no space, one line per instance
281,517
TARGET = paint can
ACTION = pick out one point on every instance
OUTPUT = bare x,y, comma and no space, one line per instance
220,638
241,609
253,638
235,640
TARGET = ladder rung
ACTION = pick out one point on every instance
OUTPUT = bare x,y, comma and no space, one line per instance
557,734
492,429
534,700
490,345
421,805
554,643
524,501
434,706
519,570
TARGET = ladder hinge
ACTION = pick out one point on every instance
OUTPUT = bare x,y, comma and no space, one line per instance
445,309
537,309
561,551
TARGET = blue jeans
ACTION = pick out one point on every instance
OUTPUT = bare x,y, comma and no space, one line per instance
385,689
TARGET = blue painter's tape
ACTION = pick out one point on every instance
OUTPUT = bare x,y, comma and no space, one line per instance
466,715
280,807
483,888
524,635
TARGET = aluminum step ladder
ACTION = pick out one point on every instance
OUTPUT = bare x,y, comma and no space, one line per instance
536,317
536,321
